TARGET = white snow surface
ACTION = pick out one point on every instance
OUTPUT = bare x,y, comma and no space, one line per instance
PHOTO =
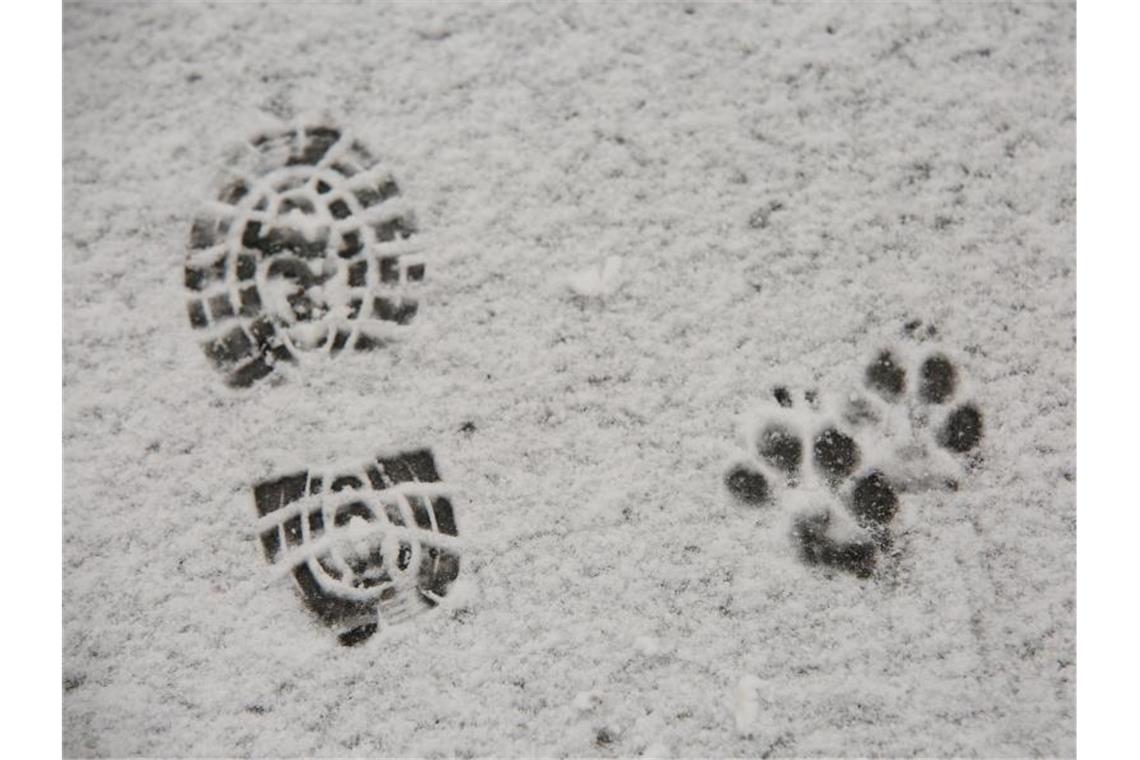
785,186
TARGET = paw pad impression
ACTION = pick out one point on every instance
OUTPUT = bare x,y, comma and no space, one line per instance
918,397
807,461
936,384
912,416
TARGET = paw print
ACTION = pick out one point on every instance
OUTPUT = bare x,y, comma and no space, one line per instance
915,394
810,462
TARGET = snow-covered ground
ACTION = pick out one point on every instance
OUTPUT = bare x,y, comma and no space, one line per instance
636,220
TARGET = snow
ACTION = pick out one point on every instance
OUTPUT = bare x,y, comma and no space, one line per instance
746,704
597,281
585,701
785,186
648,646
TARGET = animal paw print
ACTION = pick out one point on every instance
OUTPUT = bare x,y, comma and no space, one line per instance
368,545
805,458
305,252
918,397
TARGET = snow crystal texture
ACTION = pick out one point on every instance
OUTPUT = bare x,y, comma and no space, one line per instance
783,186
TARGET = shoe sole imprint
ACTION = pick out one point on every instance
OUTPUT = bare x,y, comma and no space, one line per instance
808,460
305,252
365,546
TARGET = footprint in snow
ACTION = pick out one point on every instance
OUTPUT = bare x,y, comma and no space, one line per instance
304,252
369,545
920,402
840,466
804,458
